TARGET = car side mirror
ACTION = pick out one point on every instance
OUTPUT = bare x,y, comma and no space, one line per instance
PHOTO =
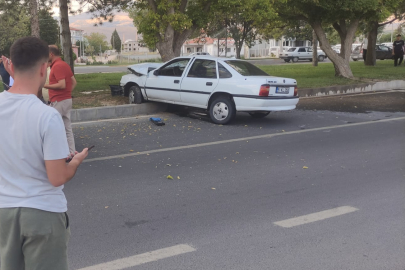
156,72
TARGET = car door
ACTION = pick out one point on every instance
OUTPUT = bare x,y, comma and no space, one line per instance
386,52
199,83
302,53
165,85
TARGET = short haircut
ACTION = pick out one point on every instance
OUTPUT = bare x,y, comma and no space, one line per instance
54,50
398,35
26,53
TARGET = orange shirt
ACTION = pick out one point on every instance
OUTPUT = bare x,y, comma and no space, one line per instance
60,70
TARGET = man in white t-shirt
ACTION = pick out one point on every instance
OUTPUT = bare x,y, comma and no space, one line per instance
34,226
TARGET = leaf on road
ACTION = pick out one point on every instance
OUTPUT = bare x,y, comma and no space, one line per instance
178,177
213,188
131,150
106,207
170,177
168,165
305,167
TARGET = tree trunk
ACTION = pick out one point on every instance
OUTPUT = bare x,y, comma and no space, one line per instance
372,41
170,46
314,49
340,62
238,49
66,36
34,18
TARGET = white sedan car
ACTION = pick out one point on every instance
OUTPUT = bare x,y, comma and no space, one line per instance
220,85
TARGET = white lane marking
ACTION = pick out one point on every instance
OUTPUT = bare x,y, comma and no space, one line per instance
142,258
292,222
240,139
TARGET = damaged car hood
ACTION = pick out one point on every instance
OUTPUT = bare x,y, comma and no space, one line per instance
144,68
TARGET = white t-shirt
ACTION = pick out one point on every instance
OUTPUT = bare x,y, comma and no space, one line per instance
11,81
30,133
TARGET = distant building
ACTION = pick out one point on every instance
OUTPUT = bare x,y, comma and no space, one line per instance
210,45
76,34
134,46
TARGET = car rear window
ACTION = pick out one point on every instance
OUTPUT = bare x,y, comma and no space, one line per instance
246,68
291,49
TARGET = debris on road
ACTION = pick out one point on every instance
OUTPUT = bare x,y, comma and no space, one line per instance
157,121
305,167
170,177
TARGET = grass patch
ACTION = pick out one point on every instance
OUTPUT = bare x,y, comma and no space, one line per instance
308,76
96,81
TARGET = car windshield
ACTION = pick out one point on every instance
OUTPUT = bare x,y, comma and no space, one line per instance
291,49
246,68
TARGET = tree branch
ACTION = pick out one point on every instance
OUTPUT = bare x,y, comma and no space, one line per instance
391,21
152,5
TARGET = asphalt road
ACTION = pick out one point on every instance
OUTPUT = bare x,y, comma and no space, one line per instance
230,186
123,68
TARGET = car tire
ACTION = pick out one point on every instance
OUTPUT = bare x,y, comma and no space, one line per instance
259,115
222,110
355,60
321,58
287,60
295,59
135,95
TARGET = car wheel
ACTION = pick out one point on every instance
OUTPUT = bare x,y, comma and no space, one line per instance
355,60
321,58
295,59
135,95
222,110
259,114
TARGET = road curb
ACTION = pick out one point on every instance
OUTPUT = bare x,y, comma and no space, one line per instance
113,112
347,89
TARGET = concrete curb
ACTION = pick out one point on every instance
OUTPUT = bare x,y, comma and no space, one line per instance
112,112
347,89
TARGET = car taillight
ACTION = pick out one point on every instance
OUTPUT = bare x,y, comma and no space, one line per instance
264,90
295,91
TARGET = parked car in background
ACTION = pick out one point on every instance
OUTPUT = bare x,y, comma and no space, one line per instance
200,53
382,53
388,44
301,53
336,48
219,85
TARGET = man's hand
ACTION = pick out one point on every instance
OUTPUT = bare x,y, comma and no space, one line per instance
79,157
59,172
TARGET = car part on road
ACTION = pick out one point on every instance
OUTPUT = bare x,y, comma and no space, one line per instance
295,59
222,110
259,114
321,58
116,90
135,95
287,60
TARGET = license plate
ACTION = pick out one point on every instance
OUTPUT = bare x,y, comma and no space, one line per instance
282,90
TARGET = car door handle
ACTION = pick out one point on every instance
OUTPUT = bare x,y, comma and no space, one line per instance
176,81
208,84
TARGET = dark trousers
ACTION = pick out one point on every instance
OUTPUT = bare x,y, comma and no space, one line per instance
364,54
399,56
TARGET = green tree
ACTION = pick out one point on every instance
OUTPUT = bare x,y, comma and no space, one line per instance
166,24
98,42
343,15
244,19
116,41
49,27
14,24
387,11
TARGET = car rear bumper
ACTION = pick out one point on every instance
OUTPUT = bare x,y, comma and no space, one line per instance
266,104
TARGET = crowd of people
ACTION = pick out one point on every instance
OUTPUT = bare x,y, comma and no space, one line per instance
37,156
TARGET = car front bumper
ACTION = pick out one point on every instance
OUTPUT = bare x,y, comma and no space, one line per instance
265,104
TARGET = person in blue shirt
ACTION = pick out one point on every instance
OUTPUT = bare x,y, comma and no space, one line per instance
5,77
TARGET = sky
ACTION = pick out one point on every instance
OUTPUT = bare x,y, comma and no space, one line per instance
83,21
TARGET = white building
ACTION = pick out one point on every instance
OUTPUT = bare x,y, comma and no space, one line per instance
210,45
133,46
76,34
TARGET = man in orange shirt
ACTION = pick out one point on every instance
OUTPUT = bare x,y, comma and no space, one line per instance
61,84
